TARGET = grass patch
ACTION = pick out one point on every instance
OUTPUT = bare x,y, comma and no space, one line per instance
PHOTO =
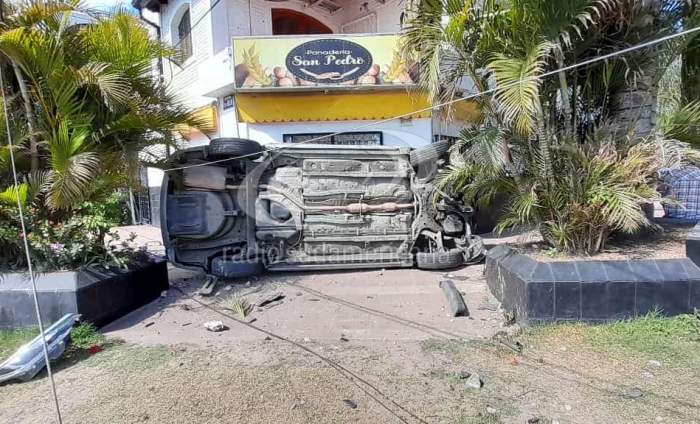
653,336
671,338
482,418
11,340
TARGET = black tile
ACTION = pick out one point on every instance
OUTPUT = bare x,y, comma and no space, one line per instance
692,248
618,271
540,300
691,269
522,265
591,271
594,303
620,299
564,271
694,294
542,273
672,269
669,296
646,270
497,252
568,300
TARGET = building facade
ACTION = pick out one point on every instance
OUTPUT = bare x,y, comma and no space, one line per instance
280,71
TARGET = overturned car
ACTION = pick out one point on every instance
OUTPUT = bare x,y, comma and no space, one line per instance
234,208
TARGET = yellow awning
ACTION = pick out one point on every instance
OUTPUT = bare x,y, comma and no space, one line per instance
318,106
206,116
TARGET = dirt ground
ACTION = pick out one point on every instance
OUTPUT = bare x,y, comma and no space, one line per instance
351,347
667,241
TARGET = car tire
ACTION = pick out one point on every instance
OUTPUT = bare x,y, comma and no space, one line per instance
430,153
235,268
227,147
440,260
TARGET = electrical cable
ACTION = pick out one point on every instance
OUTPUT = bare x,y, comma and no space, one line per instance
362,384
468,97
52,383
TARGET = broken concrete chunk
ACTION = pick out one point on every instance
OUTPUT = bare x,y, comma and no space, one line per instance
215,326
454,299
633,393
474,381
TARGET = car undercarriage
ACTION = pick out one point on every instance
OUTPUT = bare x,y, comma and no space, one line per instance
234,208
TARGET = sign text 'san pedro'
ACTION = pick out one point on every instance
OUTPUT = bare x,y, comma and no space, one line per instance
271,62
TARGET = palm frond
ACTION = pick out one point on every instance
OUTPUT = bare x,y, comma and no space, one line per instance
518,79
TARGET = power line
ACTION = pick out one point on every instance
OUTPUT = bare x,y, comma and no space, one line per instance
471,96
52,383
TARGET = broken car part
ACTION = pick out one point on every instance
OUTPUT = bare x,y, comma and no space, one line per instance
29,359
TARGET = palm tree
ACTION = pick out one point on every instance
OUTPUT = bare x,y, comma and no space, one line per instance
528,145
94,101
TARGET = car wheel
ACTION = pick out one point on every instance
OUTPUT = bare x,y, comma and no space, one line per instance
226,147
429,154
440,260
235,268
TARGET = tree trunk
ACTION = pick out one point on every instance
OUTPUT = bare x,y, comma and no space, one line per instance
564,91
29,112
635,107
690,72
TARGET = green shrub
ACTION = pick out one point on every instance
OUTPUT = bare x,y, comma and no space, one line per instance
66,241
85,335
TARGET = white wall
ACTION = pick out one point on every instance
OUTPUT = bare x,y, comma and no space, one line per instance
413,133
208,74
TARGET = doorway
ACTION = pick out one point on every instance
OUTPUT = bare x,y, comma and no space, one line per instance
291,22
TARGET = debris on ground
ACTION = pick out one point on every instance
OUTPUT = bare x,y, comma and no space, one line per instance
273,304
633,393
29,360
164,293
228,287
313,299
491,410
503,338
275,297
343,338
533,420
148,324
240,306
350,403
654,363
473,380
185,307
456,277
215,326
454,299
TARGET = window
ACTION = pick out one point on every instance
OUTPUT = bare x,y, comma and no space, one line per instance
184,36
370,138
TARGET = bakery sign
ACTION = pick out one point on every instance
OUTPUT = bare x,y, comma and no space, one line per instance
298,63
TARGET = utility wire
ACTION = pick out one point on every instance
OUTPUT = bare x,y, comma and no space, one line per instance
365,386
52,383
469,97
